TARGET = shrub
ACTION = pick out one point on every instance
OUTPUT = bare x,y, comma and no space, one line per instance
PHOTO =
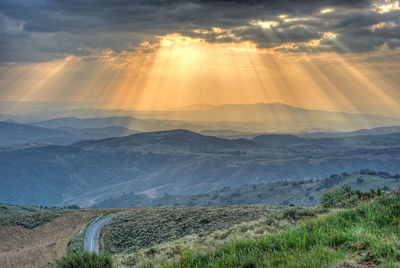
73,206
332,198
345,197
84,260
360,180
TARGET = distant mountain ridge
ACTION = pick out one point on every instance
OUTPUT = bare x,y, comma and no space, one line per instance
272,117
14,134
258,117
98,133
311,133
173,140
330,143
370,131
127,122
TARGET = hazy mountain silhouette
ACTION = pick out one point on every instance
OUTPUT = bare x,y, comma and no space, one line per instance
258,117
127,122
14,134
370,131
264,117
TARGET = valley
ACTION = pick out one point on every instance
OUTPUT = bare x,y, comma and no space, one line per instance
199,134
119,191
180,162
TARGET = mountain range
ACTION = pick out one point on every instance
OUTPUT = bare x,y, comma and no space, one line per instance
271,117
254,118
180,162
16,134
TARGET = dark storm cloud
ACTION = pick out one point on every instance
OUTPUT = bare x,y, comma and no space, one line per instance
40,30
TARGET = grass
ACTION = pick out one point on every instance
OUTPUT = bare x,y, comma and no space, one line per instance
28,216
272,219
84,260
145,227
368,233
346,197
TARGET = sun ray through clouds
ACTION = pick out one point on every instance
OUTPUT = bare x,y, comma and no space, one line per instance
181,70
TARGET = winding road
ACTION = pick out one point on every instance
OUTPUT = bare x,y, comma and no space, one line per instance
93,233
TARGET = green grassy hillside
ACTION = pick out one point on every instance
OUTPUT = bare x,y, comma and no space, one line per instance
299,193
149,237
144,227
349,228
365,236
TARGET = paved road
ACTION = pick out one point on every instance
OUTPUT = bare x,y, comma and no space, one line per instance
93,234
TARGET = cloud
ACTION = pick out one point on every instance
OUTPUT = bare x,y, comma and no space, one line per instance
41,30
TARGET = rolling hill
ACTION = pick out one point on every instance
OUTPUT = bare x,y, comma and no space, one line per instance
13,134
179,162
299,193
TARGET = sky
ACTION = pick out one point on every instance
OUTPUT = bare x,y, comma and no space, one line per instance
163,54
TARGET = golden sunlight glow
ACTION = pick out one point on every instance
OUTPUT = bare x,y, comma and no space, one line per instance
287,19
386,6
178,71
327,10
264,24
382,25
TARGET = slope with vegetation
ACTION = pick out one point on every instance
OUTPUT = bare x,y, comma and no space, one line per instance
34,237
207,236
299,193
367,235
349,228
146,227
28,216
180,162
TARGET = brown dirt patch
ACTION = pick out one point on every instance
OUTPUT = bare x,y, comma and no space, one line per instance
38,247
